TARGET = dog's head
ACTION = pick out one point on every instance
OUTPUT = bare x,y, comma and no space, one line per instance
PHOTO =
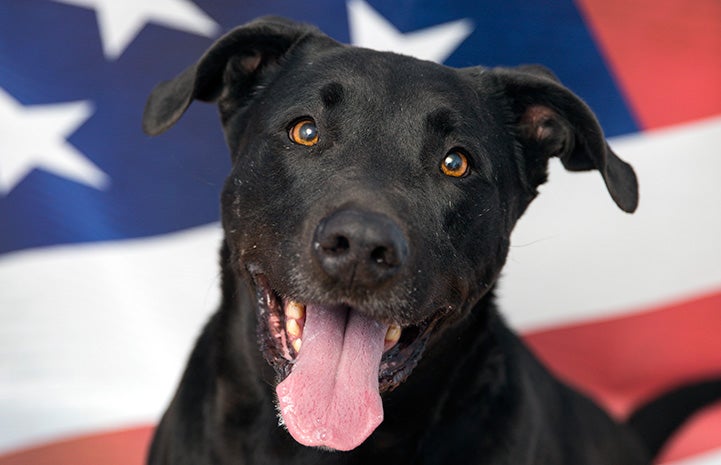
371,200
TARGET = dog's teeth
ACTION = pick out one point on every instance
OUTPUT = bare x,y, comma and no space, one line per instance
295,310
292,327
393,333
296,345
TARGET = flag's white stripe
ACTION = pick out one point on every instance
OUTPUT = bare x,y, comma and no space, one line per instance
708,458
575,255
95,336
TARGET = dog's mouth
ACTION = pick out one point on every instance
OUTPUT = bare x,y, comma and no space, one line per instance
334,362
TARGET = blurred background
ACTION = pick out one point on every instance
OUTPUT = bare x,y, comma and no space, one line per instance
108,238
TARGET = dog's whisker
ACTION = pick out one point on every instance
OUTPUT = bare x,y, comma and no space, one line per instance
534,242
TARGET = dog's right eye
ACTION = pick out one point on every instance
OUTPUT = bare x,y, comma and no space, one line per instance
455,164
304,132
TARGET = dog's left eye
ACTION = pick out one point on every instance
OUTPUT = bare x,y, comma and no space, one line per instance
455,164
304,132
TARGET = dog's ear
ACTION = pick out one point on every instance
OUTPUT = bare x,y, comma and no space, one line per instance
551,120
247,49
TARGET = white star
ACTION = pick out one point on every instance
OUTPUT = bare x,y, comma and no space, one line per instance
371,30
121,20
35,137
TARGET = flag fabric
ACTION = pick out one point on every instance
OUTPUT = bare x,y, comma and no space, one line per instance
108,238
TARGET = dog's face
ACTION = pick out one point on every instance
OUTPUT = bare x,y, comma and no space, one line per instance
371,201
349,135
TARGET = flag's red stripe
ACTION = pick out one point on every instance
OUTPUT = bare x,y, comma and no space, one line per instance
624,361
664,53
126,447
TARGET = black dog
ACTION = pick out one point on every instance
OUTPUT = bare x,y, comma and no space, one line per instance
367,217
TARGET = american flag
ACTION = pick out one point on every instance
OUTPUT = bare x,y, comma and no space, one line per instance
108,238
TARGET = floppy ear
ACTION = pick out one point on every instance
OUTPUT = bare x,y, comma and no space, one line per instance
551,121
247,49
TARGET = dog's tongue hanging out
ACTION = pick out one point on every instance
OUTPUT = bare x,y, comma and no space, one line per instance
331,396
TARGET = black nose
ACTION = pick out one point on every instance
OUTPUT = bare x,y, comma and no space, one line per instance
358,248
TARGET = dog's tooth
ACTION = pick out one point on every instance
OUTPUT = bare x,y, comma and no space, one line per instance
296,345
292,327
393,333
295,310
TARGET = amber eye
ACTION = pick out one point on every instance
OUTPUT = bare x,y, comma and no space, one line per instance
304,132
455,164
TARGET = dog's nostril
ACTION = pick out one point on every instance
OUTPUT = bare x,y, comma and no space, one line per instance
338,245
384,256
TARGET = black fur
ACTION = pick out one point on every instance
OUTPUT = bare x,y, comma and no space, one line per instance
385,123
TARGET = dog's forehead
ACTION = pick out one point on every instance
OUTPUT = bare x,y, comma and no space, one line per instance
381,92
372,75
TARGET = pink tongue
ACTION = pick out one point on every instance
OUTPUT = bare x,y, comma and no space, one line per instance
331,397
